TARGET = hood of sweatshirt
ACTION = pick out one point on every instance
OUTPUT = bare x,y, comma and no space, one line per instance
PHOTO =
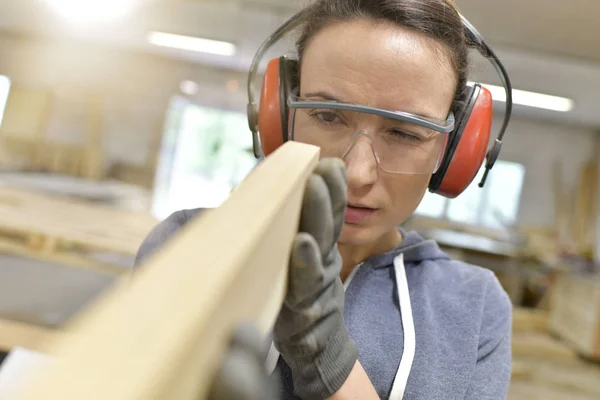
414,248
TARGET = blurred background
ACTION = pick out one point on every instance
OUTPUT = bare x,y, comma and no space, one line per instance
115,113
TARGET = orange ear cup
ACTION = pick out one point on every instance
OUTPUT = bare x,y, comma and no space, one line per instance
471,149
269,113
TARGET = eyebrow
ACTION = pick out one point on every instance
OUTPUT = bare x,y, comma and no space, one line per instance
324,95
328,96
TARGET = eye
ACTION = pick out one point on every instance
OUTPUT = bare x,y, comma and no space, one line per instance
405,136
325,116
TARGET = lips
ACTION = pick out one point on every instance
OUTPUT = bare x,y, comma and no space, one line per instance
356,214
358,205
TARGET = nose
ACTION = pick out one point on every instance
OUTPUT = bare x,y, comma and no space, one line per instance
361,163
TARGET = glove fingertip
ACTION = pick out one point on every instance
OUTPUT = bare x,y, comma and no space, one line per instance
316,207
305,249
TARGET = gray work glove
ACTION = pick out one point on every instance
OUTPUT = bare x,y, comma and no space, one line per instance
310,332
242,374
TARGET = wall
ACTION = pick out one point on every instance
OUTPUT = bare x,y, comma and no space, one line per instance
136,88
537,145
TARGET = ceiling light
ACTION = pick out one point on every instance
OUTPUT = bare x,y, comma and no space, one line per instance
531,99
189,88
191,43
92,11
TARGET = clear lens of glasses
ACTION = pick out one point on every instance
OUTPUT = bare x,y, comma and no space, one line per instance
399,145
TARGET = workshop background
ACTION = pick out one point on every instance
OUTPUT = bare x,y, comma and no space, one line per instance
116,113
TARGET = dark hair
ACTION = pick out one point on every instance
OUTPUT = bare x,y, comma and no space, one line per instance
437,19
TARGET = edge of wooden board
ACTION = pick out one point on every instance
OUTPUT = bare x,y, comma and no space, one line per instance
147,329
20,334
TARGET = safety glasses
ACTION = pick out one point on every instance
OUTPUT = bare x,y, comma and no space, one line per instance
401,142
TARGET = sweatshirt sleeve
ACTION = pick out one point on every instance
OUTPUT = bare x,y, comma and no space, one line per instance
494,355
162,232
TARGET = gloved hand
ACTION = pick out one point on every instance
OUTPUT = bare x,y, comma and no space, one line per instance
310,332
242,374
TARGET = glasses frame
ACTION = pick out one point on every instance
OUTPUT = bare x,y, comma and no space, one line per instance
295,102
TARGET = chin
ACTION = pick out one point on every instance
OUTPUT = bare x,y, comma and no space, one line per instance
353,234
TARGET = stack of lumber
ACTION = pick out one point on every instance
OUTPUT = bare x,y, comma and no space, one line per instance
28,142
545,367
25,144
575,210
69,232
111,193
32,155
584,221
575,312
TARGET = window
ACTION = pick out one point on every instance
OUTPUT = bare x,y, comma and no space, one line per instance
494,205
4,90
205,153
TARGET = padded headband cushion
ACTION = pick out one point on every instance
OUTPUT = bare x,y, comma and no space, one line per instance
288,80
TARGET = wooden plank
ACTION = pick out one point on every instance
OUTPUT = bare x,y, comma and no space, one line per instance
584,213
62,258
561,208
13,334
530,320
520,370
575,312
551,370
162,336
578,379
543,348
27,112
596,226
93,153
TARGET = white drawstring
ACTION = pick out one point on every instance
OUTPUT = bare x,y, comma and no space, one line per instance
351,276
408,326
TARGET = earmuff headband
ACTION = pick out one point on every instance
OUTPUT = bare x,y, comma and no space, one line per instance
486,51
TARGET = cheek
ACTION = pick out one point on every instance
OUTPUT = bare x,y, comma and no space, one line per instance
405,192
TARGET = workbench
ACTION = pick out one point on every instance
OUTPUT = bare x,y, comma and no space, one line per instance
70,232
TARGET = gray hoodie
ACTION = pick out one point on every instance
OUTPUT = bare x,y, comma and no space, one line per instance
450,339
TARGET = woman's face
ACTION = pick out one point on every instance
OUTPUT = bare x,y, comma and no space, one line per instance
384,66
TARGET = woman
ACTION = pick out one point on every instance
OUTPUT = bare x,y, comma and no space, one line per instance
412,323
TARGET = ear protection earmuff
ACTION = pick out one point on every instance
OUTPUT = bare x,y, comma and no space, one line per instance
467,145
280,78
465,149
